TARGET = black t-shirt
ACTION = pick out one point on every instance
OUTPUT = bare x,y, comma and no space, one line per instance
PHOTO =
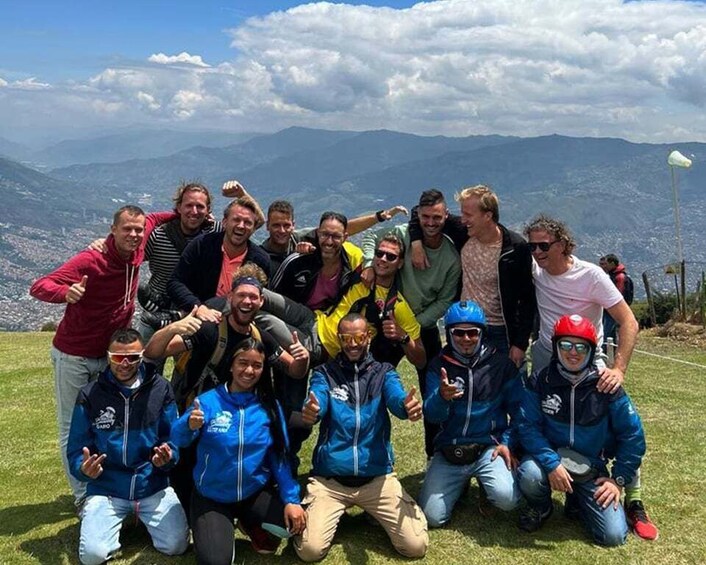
203,343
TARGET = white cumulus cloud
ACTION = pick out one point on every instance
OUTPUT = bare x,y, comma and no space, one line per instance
522,67
181,58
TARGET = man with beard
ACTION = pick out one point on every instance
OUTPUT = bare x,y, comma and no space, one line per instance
473,392
119,446
394,329
284,238
164,246
496,268
353,463
428,292
205,269
212,349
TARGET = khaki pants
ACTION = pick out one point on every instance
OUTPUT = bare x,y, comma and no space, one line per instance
383,498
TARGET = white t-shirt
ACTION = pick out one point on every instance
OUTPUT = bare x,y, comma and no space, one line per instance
584,289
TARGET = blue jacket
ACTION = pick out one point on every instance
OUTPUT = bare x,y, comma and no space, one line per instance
354,439
195,278
492,390
126,428
235,456
556,414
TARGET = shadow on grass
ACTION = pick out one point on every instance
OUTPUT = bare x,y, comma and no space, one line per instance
59,548
135,541
501,528
17,520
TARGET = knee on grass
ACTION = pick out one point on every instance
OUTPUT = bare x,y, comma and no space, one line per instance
94,553
309,551
414,547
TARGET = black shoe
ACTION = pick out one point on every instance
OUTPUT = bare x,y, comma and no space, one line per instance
531,519
571,507
150,300
159,320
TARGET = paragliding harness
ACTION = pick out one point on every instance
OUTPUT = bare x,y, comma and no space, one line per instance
185,394
382,349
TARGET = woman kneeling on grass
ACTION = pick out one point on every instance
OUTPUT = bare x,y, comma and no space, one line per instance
241,453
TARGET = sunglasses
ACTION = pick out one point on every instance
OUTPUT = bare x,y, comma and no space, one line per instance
463,332
543,245
387,255
353,339
581,348
129,358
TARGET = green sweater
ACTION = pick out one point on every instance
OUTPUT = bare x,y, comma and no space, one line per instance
429,292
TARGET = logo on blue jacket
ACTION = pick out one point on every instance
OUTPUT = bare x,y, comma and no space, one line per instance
106,419
221,423
551,404
341,393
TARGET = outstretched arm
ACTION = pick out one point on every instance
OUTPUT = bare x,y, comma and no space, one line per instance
362,223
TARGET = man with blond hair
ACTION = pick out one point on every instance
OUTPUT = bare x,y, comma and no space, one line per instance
496,269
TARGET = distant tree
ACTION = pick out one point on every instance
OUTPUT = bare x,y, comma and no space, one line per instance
48,327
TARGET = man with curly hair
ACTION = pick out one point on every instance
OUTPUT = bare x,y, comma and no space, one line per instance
566,285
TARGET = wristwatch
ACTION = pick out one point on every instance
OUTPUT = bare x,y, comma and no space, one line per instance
405,340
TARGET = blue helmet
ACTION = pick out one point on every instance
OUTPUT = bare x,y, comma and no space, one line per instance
464,312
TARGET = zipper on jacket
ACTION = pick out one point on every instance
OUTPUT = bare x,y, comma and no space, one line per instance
357,421
126,425
241,448
469,404
571,426
500,294
132,485
205,466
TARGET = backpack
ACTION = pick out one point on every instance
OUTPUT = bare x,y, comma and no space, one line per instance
381,349
185,394
629,291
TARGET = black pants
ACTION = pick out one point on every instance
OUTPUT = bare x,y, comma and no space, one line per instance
213,528
292,394
181,477
432,345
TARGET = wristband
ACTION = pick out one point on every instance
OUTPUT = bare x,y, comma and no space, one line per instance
379,216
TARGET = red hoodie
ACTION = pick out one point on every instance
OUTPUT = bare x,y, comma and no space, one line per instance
109,301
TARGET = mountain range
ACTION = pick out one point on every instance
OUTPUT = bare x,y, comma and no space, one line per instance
615,195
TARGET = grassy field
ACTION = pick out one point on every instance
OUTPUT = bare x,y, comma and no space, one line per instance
38,525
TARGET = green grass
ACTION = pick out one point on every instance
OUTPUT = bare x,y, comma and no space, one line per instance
37,523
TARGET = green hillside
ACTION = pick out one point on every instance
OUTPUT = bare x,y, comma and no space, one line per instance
38,525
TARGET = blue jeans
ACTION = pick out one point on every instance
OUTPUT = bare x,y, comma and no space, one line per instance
497,336
71,374
445,482
103,516
607,526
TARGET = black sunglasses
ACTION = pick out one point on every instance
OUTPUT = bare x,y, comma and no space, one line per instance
387,255
543,245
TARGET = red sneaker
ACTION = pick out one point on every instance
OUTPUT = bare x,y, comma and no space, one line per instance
261,541
640,522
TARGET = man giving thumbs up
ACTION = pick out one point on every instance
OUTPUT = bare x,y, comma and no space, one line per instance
351,396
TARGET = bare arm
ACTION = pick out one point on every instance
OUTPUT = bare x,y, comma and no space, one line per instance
234,189
627,334
612,378
362,223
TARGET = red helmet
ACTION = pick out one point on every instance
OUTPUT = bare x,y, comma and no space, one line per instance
575,326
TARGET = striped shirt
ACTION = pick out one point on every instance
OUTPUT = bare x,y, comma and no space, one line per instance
163,256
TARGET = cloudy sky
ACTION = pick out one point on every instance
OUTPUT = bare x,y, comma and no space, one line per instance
635,70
